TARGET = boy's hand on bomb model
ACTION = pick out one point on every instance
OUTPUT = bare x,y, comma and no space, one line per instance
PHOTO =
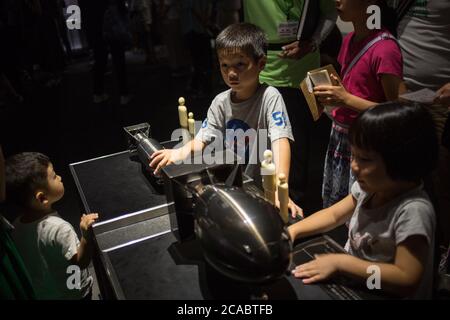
164,157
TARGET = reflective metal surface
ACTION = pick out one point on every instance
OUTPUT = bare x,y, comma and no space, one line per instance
146,147
242,235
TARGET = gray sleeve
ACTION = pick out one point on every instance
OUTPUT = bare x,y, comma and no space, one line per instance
277,118
213,126
67,240
415,218
356,190
326,23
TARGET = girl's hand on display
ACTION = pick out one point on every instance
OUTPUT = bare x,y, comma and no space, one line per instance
321,268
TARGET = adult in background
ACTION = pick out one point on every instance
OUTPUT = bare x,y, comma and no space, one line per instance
288,61
424,37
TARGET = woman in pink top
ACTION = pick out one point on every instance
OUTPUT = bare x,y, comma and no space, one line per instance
374,77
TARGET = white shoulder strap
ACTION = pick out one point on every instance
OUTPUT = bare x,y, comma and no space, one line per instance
382,36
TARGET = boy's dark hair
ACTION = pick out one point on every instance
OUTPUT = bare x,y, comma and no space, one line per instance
403,134
243,36
25,173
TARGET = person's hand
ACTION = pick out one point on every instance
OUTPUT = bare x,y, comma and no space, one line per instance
321,268
443,95
296,50
335,94
293,208
164,157
87,220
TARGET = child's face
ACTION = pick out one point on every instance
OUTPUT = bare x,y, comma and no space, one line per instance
352,10
55,187
239,71
370,170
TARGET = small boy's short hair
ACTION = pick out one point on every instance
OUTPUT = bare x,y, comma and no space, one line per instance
243,36
403,134
25,173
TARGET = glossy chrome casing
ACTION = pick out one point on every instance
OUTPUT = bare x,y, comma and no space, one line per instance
242,235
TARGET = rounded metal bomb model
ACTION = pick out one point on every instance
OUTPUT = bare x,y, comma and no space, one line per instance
242,235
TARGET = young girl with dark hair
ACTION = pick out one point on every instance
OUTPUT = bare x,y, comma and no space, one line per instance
391,219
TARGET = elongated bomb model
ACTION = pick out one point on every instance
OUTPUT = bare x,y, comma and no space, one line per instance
241,233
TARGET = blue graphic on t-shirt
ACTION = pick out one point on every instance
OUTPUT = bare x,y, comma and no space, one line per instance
280,118
205,123
231,141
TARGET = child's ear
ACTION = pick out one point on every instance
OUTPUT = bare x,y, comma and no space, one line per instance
262,63
41,198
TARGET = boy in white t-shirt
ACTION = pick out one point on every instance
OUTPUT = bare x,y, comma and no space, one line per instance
57,261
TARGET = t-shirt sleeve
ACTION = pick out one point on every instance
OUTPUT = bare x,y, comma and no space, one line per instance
387,59
415,218
356,190
67,240
277,118
212,127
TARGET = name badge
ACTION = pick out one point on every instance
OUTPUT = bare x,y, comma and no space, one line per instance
287,29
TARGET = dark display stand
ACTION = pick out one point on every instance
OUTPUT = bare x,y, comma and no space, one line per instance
138,257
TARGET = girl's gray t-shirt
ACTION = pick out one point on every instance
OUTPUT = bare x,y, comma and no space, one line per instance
374,234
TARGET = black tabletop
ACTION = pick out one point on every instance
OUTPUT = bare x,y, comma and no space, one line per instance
115,185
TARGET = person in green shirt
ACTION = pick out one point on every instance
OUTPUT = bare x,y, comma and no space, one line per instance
15,283
288,61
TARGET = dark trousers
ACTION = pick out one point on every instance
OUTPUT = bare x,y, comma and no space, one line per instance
101,50
302,125
93,24
201,53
